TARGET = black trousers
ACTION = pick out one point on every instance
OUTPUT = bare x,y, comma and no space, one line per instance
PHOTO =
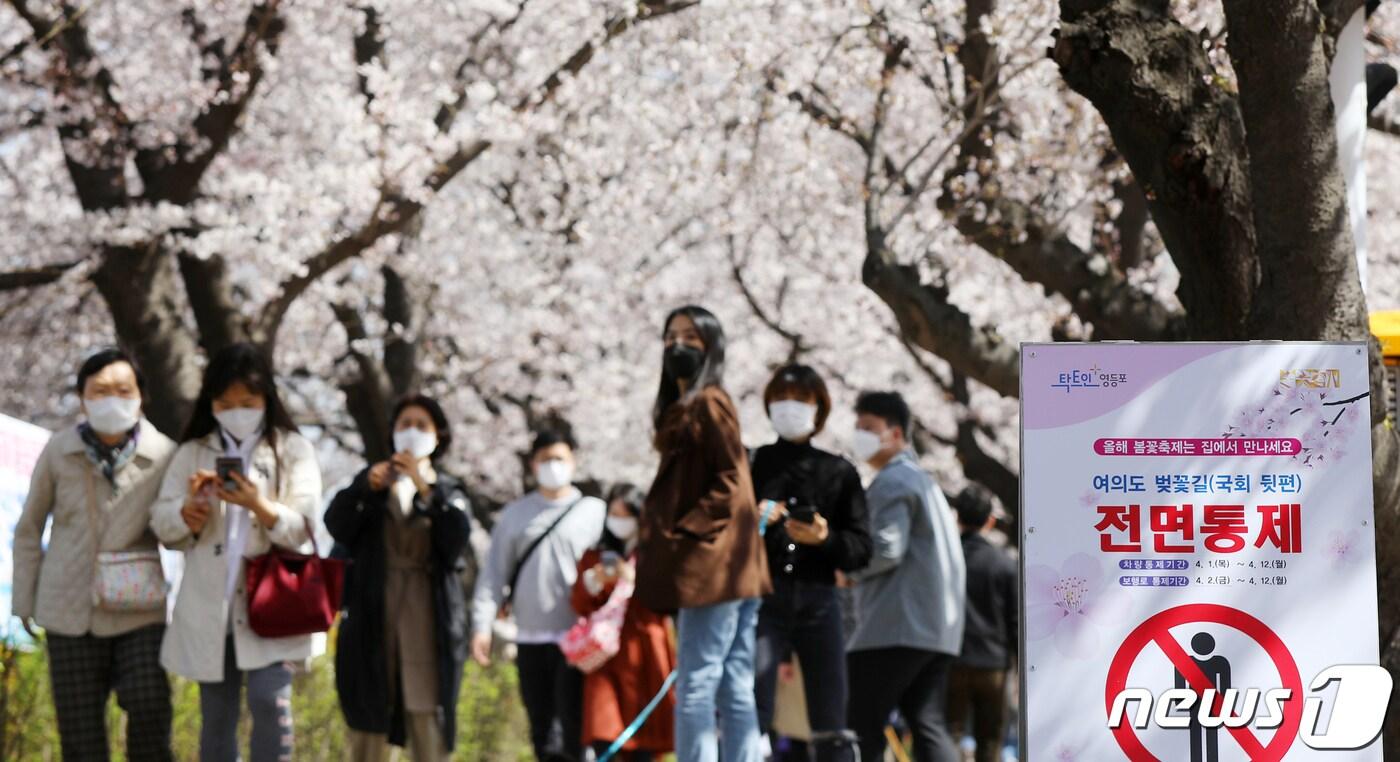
552,692
805,619
86,669
911,680
980,693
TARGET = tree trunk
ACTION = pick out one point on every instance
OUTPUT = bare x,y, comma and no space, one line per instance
1309,287
1181,132
142,290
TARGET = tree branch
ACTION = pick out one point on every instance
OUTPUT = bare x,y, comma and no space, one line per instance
1010,230
29,277
797,345
927,319
647,10
396,210
367,392
216,311
1016,233
1181,132
95,147
1385,123
173,173
401,345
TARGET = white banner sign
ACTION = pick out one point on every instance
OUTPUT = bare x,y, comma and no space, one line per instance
20,445
1198,552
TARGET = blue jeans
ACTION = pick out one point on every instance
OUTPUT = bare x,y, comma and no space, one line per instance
715,673
269,702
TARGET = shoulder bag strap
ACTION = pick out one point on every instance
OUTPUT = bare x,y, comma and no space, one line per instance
520,564
94,512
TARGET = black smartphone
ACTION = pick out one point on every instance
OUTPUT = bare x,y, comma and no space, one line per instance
611,559
804,513
226,466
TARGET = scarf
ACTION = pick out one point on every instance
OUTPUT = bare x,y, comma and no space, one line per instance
109,459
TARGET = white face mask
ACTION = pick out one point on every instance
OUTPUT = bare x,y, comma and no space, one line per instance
420,443
622,527
554,474
241,422
112,415
866,445
793,419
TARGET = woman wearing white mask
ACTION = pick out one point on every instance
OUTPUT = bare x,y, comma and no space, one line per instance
402,643
813,508
97,481
221,520
617,693
531,568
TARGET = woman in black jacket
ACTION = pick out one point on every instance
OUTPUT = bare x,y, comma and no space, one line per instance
813,507
403,638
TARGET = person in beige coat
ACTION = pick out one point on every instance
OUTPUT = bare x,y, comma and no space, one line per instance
97,481
268,501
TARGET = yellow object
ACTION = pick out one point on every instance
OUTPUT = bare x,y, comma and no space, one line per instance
896,746
1386,326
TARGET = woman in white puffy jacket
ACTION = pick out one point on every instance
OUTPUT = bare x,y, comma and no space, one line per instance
267,501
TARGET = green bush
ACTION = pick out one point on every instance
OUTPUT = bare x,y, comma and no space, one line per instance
491,724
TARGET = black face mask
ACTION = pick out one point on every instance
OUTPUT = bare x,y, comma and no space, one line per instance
681,361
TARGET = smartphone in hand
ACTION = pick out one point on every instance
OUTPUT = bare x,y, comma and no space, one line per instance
803,513
611,559
224,467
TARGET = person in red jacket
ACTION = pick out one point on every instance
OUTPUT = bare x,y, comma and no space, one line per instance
616,694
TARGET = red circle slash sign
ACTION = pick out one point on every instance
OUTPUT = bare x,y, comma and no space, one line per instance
1157,630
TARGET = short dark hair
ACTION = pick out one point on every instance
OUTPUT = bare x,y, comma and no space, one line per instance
806,382
100,359
889,406
444,429
550,437
974,506
630,494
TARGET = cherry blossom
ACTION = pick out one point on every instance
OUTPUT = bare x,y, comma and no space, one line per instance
1067,604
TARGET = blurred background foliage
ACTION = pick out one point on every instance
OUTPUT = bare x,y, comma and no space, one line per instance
491,722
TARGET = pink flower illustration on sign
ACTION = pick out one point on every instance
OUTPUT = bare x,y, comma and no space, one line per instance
1320,423
1066,604
1342,547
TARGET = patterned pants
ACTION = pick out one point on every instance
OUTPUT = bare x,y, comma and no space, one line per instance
86,669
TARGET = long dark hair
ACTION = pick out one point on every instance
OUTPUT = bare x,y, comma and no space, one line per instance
246,364
711,372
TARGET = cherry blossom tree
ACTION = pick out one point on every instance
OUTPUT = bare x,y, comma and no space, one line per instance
498,201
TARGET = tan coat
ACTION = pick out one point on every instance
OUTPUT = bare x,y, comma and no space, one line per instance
194,642
699,528
55,585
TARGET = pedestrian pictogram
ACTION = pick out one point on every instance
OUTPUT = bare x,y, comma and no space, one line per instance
1203,672
1205,742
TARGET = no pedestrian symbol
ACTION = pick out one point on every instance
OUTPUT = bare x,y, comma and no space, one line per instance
1157,630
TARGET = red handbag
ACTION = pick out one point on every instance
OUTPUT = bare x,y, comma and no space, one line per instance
292,593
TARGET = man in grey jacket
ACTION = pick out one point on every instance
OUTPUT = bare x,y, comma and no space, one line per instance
910,599
536,544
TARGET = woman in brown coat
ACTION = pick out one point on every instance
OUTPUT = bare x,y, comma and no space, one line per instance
700,552
616,694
